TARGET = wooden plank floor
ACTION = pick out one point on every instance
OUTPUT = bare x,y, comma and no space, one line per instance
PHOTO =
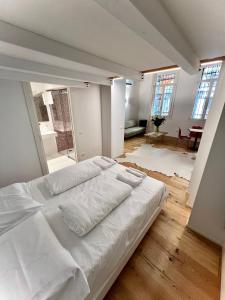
172,262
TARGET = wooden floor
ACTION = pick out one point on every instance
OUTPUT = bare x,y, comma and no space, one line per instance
172,262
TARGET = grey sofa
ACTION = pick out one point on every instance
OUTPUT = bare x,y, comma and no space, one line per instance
131,129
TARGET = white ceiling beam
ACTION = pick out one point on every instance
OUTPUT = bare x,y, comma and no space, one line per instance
23,38
23,76
150,21
29,67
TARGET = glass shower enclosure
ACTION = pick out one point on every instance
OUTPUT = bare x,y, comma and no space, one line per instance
62,122
54,115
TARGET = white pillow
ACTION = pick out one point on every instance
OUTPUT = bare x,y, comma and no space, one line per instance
69,177
16,204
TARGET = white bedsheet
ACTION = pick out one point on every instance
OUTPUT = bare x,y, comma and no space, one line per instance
100,250
16,205
33,264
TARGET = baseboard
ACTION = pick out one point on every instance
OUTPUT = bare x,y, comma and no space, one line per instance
205,238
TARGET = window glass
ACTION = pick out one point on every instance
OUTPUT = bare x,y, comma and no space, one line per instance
163,94
205,92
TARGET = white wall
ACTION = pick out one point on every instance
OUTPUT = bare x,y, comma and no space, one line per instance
118,90
145,96
19,159
99,116
207,188
183,104
106,120
86,110
186,89
132,102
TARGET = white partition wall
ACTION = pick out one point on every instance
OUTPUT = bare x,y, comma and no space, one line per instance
113,118
118,91
86,110
106,119
19,160
207,188
132,101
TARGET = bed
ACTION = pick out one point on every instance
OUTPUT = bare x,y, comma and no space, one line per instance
105,250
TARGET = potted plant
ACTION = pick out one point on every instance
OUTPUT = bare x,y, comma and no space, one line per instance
157,121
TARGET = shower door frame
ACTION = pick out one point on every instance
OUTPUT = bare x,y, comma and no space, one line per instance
36,129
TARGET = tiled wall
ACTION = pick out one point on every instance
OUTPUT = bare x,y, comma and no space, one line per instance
64,140
62,120
41,109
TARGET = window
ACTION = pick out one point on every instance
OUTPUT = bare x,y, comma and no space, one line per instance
206,91
163,94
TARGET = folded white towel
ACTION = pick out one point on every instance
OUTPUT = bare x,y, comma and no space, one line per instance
84,211
136,172
129,178
104,162
108,159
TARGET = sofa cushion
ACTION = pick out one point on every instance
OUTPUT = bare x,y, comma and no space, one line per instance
130,123
128,132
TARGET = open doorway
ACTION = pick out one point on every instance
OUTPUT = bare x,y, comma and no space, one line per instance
53,110
150,146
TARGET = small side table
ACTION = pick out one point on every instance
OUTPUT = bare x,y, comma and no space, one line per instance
155,136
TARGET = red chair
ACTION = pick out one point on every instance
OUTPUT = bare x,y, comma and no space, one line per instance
183,137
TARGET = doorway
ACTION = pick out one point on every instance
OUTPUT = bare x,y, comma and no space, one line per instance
53,110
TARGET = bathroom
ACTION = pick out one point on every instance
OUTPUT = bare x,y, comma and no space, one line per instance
53,111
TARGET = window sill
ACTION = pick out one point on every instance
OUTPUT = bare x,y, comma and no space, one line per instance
193,119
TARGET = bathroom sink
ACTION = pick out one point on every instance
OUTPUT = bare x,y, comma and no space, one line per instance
48,133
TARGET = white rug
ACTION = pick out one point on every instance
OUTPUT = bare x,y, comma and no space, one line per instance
170,163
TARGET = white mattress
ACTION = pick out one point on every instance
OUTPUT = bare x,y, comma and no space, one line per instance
99,251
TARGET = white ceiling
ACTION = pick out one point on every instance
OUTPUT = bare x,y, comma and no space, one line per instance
85,25
202,22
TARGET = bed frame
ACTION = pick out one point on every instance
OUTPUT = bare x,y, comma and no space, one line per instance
100,294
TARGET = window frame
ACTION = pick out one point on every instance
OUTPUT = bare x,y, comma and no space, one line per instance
207,99
171,106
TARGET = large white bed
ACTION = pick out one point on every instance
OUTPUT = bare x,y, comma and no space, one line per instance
104,251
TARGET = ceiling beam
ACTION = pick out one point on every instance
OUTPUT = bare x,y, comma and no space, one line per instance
149,19
26,39
206,60
30,67
23,76
159,69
